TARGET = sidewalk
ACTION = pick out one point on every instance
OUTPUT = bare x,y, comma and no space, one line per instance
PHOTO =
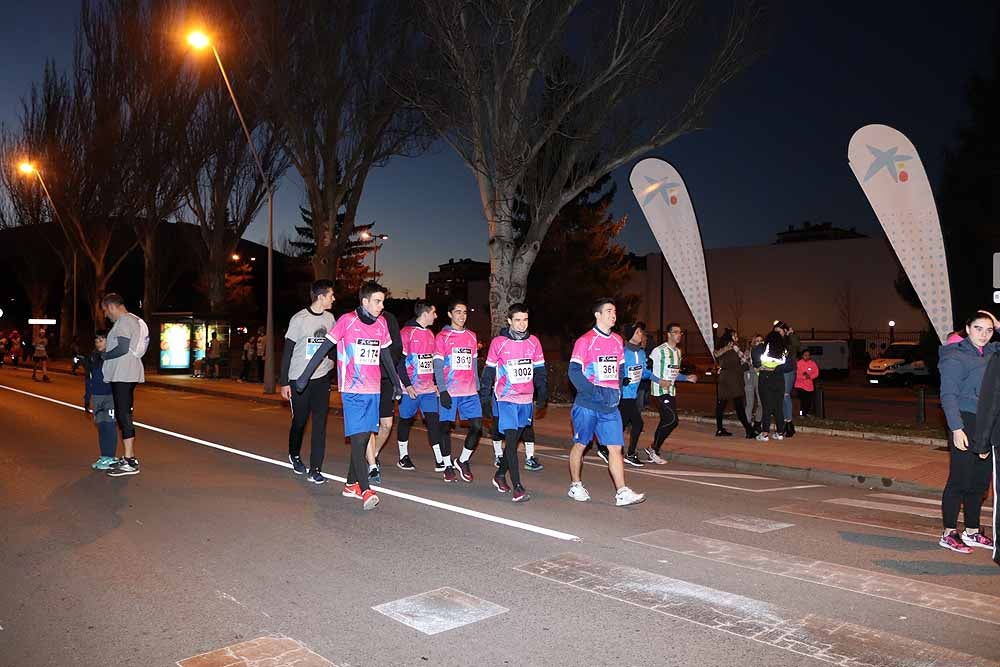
811,456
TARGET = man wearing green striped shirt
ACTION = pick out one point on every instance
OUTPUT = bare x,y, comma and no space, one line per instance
666,367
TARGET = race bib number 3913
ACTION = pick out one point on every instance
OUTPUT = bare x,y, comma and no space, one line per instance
366,352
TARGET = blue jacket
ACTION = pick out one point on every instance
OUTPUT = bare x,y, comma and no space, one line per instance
634,357
94,379
962,367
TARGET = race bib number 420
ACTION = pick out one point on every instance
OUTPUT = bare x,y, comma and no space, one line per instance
520,371
366,352
607,368
461,359
425,364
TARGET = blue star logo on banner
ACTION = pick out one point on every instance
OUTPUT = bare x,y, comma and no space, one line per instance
887,160
661,187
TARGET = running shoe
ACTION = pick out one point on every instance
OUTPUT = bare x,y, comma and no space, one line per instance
533,464
520,495
627,496
500,482
951,540
578,493
123,466
298,467
633,460
370,499
405,463
603,453
777,436
653,457
103,463
465,471
375,476
762,437
723,433
450,475
352,491
440,466
977,540
316,476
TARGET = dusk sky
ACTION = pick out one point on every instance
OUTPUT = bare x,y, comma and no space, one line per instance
775,152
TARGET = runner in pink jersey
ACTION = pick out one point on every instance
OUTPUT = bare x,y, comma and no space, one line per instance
416,370
362,339
456,356
595,369
514,375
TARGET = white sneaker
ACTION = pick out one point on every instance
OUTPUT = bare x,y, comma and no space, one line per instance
762,437
577,492
653,457
777,436
627,496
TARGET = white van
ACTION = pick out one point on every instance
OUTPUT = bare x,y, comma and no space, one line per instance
900,364
832,356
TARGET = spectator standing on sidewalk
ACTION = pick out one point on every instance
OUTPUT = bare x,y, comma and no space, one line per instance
261,353
731,383
750,380
806,372
792,345
40,356
962,366
14,347
75,354
772,361
247,358
213,358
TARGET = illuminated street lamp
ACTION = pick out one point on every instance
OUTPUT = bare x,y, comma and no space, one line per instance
201,41
892,331
28,169
368,236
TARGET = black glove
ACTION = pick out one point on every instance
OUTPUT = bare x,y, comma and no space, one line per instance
626,381
649,363
445,400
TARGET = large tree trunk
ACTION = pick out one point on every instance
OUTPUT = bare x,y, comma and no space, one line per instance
216,286
66,311
151,295
326,258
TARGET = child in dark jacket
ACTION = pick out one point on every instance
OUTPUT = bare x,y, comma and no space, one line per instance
97,400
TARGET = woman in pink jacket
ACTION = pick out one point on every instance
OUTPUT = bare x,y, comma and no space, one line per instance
806,372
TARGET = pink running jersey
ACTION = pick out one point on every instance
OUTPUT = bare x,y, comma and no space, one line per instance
601,357
460,352
359,346
515,361
418,348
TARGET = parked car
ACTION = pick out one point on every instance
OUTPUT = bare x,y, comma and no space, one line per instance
832,356
899,364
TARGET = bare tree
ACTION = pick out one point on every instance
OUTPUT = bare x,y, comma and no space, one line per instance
736,306
225,195
541,98
849,307
328,66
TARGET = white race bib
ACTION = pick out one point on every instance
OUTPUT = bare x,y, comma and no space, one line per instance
461,359
366,352
607,368
520,371
425,364
671,373
634,373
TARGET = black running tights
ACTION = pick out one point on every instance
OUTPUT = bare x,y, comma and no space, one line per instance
471,436
357,469
968,480
739,404
631,417
509,461
433,431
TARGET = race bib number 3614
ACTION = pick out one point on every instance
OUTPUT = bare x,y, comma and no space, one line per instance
366,352
607,368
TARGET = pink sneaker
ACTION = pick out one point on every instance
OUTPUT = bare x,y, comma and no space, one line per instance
977,540
954,542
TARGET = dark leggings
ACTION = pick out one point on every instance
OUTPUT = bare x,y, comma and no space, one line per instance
313,402
357,469
527,433
739,404
805,401
772,398
668,419
968,480
631,417
471,436
123,394
509,461
433,431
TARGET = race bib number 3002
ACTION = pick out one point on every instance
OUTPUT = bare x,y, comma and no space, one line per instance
366,352
607,368
461,359
520,371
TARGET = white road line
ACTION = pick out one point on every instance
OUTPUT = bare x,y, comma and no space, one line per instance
751,524
815,515
936,502
886,507
531,528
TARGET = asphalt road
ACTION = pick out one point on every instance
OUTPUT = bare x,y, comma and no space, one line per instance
207,548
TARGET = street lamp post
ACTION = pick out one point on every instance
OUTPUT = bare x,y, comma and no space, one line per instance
368,236
27,169
200,41
892,331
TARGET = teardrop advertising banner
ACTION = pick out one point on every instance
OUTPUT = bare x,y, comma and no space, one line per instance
893,178
665,202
